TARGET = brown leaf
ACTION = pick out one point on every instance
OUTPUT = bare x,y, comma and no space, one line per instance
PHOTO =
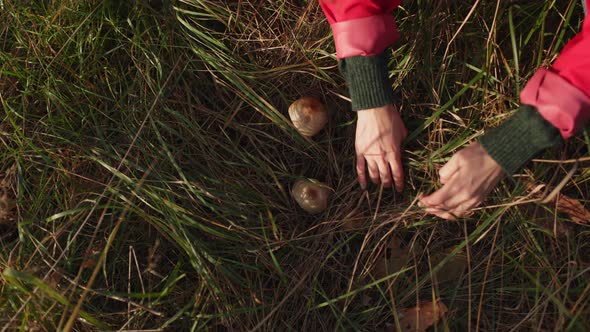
571,207
6,209
91,256
422,316
7,197
95,250
89,263
574,209
353,223
453,268
54,278
392,259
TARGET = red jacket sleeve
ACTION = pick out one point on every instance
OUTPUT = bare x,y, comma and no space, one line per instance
562,93
361,27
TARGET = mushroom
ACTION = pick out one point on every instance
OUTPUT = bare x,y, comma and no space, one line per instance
311,197
309,115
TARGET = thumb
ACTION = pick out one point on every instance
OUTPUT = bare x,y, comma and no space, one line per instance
448,170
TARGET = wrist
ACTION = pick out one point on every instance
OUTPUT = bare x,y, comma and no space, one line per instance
519,138
368,81
376,112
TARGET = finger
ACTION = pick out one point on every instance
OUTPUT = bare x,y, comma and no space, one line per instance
441,196
384,173
448,216
462,210
448,170
455,201
395,162
420,196
452,214
443,214
466,208
405,131
361,171
373,170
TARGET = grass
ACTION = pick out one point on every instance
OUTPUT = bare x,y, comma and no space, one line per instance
147,161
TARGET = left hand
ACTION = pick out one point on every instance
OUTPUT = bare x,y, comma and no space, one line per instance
379,135
467,179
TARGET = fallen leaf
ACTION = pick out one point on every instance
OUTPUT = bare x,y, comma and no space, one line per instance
452,269
95,250
353,223
91,256
366,300
353,220
6,209
54,278
392,259
422,316
7,197
89,263
573,208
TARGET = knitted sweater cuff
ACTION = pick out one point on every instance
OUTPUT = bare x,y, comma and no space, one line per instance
518,139
368,82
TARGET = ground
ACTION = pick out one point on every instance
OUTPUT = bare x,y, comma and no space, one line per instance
147,159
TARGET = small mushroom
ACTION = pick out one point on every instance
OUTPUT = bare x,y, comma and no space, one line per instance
309,115
311,197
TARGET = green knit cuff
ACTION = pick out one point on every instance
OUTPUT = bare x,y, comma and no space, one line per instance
515,141
368,82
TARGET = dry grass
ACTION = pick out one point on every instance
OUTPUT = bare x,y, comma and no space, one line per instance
148,159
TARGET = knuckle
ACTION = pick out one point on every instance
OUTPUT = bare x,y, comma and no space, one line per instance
470,193
459,156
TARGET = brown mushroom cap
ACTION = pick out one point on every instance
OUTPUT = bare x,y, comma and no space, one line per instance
310,196
309,115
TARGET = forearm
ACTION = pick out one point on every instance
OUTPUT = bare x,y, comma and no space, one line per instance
518,139
362,31
556,104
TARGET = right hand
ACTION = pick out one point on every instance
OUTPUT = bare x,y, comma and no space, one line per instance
379,135
467,179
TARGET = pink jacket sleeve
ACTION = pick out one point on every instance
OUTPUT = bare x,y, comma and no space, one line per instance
561,94
361,27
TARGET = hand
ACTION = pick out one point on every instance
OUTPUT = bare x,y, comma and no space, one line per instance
379,134
468,178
